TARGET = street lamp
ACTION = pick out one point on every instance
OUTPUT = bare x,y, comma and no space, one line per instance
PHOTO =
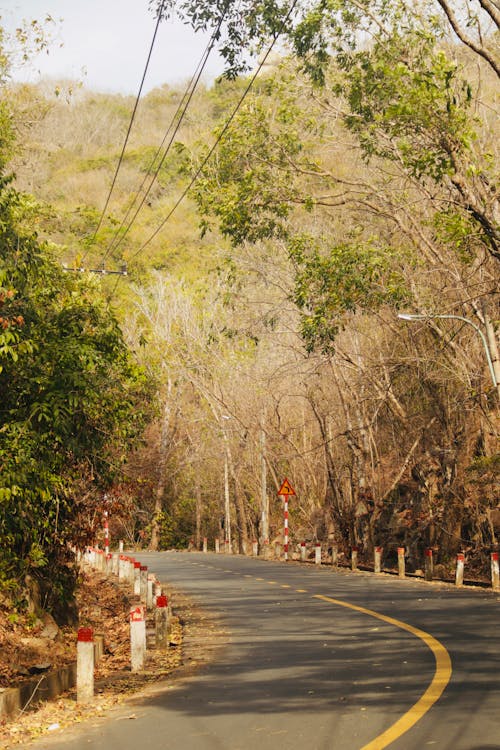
446,316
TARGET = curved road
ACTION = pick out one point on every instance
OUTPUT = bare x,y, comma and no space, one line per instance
318,659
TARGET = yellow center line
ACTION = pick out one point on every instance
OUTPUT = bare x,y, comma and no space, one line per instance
271,581
285,586
301,591
434,691
259,579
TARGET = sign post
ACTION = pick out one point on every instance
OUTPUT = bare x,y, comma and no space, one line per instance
285,491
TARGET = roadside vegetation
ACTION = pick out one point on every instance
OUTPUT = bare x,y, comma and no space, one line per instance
258,332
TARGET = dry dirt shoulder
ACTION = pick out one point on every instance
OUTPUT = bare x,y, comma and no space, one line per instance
104,605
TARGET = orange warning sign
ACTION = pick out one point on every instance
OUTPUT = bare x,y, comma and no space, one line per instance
286,489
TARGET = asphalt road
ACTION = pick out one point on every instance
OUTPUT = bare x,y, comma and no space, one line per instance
310,666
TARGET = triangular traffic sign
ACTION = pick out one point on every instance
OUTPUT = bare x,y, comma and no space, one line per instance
286,488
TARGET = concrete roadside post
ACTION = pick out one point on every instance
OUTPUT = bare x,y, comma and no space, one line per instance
85,665
161,622
120,546
150,596
459,575
377,560
303,552
205,544
137,638
137,578
335,555
317,553
255,548
354,558
217,546
130,571
495,575
143,583
109,563
401,562
429,565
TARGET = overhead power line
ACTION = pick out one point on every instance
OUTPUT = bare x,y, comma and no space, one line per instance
131,122
216,143
176,120
219,138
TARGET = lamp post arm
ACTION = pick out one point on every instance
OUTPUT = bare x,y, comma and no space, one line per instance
446,316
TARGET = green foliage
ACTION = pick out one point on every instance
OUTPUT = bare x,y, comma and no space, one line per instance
69,398
407,103
332,281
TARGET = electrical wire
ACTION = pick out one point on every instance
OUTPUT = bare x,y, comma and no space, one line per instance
214,146
131,122
177,118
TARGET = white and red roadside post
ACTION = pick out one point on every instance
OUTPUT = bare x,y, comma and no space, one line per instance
151,585
303,552
335,555
495,574
137,638
137,578
85,665
106,533
377,560
161,621
143,583
158,591
401,562
354,558
317,553
285,491
429,565
459,574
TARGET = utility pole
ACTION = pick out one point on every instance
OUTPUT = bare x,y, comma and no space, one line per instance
264,524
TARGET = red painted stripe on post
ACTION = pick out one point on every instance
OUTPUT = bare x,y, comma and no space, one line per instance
85,635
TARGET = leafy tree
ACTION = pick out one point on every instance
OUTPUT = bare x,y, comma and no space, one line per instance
70,397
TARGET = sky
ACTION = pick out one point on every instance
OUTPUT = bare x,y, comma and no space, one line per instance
105,44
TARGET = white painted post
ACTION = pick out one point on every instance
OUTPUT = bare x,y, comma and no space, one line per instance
317,554
137,638
129,570
459,575
429,565
150,599
377,566
401,562
354,558
217,546
205,544
495,575
143,583
161,621
255,548
137,578
106,532
85,665
120,546
303,552
285,526
335,555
